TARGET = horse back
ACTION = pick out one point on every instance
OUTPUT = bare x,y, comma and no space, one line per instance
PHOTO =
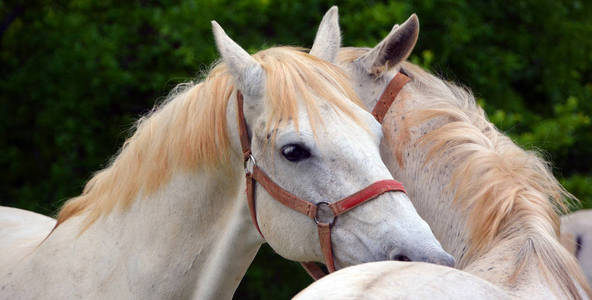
21,231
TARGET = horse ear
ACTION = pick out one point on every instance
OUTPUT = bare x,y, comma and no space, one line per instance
247,72
394,49
328,39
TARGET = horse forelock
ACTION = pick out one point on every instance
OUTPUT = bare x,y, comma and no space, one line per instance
189,131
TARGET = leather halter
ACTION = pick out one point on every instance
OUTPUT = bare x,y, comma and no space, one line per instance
329,211
389,95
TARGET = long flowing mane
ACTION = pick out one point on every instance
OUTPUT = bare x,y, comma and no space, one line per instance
505,190
189,131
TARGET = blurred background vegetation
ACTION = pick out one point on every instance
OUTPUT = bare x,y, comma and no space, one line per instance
74,75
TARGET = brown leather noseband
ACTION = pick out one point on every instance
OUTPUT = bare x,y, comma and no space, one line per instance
328,211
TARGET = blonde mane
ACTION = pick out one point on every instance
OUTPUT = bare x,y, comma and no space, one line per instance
506,191
189,131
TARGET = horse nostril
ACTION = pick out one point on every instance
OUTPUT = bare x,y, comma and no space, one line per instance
401,257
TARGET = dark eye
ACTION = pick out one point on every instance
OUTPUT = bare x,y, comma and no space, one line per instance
295,152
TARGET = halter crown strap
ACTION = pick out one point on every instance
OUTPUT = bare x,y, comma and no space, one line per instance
304,207
389,95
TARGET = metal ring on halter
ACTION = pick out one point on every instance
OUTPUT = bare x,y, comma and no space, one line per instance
246,163
327,207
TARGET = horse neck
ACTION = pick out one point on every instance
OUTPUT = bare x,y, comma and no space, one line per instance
191,237
518,272
428,186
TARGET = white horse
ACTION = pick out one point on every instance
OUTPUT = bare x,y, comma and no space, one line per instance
490,203
576,236
168,218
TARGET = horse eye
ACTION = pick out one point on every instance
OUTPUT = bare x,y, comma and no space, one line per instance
295,152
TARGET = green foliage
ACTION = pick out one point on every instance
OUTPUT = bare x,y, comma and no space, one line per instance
579,184
74,75
554,134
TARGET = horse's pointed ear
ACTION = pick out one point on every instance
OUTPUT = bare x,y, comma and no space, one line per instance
394,49
328,39
247,72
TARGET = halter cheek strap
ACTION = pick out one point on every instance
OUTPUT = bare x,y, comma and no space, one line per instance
389,95
323,214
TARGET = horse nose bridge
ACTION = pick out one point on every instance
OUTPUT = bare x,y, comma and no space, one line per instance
376,222
360,147
386,211
366,163
376,219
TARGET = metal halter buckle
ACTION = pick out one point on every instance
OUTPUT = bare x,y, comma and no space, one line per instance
326,212
246,164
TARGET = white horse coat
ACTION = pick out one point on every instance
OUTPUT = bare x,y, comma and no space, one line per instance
576,236
168,219
491,204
